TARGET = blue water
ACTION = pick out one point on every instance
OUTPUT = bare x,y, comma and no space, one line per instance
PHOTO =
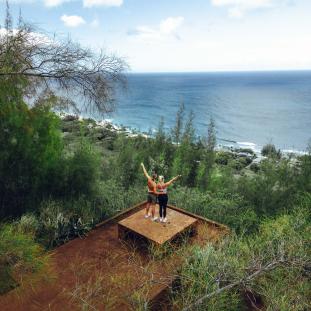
250,108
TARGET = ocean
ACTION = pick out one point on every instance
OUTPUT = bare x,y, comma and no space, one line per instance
250,109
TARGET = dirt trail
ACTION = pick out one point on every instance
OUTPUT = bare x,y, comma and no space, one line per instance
100,272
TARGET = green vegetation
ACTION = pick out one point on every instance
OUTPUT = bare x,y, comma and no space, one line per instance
60,177
20,257
269,265
269,150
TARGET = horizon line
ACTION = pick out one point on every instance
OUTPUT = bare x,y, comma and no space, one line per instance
219,71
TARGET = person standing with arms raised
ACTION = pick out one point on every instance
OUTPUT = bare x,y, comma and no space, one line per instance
162,195
152,193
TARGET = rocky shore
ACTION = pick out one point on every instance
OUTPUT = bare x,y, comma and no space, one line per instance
103,133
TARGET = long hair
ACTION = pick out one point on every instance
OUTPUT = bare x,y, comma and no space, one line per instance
154,176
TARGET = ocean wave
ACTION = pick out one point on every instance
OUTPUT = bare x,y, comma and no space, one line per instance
293,151
246,144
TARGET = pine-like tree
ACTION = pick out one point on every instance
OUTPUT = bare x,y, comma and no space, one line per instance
176,132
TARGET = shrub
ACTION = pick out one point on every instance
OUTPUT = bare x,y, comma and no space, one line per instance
254,167
227,209
239,163
30,147
272,189
28,224
245,150
114,197
221,180
74,175
59,223
20,256
83,171
271,264
224,157
269,150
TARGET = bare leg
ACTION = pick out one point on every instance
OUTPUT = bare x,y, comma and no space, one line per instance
153,211
147,209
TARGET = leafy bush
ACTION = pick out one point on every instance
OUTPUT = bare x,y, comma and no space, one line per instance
224,157
224,208
114,198
75,174
83,171
31,145
60,221
28,224
245,150
304,177
277,253
254,167
221,180
269,150
272,189
20,256
59,224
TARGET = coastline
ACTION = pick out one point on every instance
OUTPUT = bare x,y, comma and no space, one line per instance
228,145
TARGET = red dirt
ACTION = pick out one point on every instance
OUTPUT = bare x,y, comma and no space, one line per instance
103,273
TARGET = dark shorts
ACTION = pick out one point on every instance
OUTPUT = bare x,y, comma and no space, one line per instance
152,198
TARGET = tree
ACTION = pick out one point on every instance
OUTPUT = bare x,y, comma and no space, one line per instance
41,66
38,73
269,150
160,137
30,146
211,136
186,156
189,130
208,157
177,129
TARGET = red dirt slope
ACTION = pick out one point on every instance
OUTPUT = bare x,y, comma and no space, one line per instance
101,272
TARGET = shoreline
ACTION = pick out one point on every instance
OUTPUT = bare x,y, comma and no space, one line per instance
231,145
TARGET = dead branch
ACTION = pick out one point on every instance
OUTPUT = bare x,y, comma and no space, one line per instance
61,66
272,265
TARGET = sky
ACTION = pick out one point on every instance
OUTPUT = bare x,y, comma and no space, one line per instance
182,35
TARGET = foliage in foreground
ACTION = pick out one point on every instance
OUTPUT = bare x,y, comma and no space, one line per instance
20,256
272,266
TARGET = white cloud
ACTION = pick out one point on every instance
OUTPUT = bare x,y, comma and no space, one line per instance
86,3
91,3
167,27
47,3
238,8
72,20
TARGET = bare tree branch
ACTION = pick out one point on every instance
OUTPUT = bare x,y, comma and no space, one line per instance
63,66
272,265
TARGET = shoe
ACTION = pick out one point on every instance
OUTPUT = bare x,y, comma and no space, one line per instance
165,219
154,218
146,216
161,219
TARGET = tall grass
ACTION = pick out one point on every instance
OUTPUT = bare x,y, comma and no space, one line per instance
21,258
281,245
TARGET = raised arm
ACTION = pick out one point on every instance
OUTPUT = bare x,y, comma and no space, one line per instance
144,170
172,180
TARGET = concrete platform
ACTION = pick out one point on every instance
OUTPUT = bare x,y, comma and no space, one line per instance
156,231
